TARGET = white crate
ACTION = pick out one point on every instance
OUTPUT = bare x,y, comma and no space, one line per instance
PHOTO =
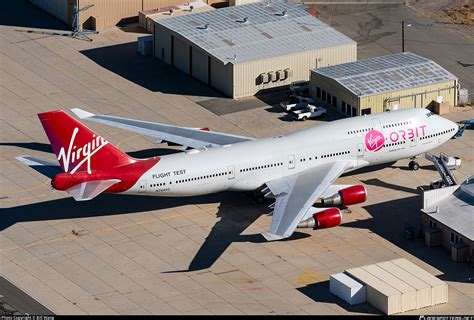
379,294
346,288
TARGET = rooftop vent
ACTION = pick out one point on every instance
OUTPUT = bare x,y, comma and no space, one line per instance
171,12
191,8
284,13
204,27
244,20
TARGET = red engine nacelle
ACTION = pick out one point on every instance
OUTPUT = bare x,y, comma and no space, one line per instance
348,196
322,220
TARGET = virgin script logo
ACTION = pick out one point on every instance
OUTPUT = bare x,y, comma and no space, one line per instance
80,155
374,140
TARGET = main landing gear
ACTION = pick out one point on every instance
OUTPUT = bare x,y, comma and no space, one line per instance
257,196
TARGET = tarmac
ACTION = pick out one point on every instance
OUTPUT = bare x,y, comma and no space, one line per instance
198,255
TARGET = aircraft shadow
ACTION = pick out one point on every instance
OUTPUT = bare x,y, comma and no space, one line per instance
319,292
36,146
388,221
380,183
233,221
140,154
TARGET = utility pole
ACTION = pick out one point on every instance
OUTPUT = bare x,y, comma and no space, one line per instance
403,36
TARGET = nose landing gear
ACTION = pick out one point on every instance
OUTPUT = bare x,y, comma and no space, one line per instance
413,165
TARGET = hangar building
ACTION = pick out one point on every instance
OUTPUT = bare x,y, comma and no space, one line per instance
244,49
394,81
448,219
105,13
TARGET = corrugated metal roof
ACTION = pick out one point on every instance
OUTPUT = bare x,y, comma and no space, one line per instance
256,31
457,210
386,73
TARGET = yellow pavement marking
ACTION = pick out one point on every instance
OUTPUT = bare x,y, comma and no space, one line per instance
307,277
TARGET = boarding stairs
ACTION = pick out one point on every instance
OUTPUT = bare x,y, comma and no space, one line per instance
441,164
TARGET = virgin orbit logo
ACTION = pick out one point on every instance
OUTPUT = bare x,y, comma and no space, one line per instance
77,156
374,140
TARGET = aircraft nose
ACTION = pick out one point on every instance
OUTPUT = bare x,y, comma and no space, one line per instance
452,125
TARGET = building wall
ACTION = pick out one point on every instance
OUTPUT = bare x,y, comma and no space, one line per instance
104,13
162,44
446,234
200,65
222,77
246,75
419,97
240,2
335,90
181,55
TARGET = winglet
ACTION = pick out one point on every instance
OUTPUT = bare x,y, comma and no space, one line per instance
272,237
82,114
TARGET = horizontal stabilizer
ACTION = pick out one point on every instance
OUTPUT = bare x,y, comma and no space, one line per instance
45,167
90,189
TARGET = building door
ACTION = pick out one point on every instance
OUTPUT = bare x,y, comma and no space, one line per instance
291,162
142,186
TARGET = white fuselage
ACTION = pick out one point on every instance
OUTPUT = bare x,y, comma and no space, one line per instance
246,166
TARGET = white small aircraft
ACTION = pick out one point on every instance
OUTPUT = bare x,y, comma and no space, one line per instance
297,169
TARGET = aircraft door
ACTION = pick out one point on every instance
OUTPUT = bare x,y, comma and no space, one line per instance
360,150
230,172
142,186
291,162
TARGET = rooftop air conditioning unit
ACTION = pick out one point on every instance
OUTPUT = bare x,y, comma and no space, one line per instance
288,73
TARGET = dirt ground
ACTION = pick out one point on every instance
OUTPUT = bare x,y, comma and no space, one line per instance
456,15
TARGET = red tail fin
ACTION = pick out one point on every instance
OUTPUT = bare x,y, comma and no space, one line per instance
77,147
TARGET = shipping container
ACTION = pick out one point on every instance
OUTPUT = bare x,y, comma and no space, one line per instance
439,289
346,288
409,295
379,294
423,289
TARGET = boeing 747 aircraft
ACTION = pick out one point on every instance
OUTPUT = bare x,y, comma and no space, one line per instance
297,170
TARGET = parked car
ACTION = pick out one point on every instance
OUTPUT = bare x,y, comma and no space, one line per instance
311,111
296,103
299,86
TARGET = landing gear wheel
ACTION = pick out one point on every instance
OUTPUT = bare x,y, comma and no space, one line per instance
260,199
413,165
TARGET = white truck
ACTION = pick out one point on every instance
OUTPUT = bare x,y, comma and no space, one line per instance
310,111
296,103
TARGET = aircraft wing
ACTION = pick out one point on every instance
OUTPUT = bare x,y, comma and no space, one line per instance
296,194
188,137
